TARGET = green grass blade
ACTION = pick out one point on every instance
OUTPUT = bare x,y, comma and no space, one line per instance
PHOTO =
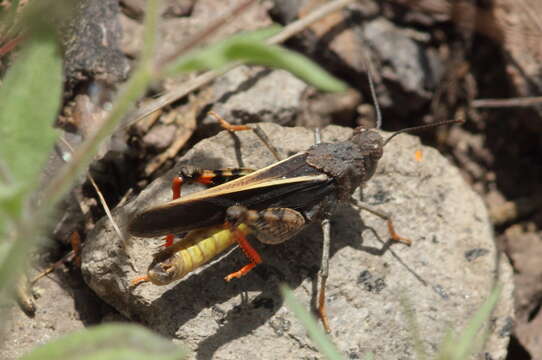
460,347
278,57
414,329
111,341
250,48
215,56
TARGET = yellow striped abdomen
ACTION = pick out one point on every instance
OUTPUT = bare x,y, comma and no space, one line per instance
193,251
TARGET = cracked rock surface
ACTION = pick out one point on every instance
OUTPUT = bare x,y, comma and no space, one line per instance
445,275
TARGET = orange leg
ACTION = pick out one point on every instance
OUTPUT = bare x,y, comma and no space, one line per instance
397,237
249,251
135,282
169,240
394,236
74,256
324,273
176,184
206,177
322,309
226,125
75,242
257,131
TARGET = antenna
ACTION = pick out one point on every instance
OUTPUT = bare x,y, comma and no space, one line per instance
423,127
373,91
368,66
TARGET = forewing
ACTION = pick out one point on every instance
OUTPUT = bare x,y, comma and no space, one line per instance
289,183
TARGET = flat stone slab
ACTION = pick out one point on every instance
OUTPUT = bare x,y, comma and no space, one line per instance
445,275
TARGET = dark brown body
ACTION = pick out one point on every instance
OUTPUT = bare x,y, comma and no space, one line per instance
309,182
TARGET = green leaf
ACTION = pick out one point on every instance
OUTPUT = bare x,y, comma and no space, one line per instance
29,101
250,48
322,341
413,325
277,57
214,56
4,248
45,17
11,201
109,342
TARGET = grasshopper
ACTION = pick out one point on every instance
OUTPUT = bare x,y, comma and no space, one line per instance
273,203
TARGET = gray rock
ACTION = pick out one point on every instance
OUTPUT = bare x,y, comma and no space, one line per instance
407,64
247,94
430,203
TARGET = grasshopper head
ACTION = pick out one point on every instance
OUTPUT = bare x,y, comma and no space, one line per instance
371,146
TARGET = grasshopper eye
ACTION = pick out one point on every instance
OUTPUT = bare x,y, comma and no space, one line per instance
377,151
369,141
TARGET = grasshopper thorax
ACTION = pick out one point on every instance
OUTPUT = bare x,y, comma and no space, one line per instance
350,163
